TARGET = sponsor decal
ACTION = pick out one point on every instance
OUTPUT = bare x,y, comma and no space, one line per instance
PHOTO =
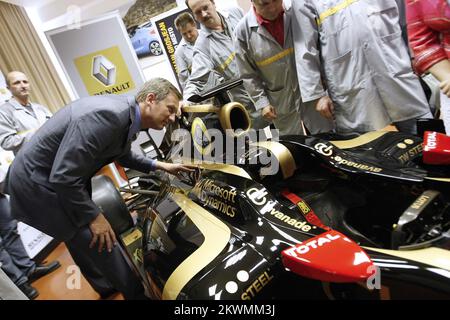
105,72
261,281
216,197
356,165
306,246
327,150
316,258
431,142
258,197
303,207
420,202
410,153
322,148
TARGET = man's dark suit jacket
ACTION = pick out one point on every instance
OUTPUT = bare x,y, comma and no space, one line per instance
49,180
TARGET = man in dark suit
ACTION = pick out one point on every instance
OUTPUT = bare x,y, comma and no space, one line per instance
49,181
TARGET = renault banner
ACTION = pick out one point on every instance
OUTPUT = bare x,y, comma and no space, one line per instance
98,58
105,72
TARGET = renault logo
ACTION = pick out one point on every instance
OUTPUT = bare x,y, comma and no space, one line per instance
104,70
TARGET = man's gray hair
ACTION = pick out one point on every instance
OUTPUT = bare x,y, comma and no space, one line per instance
160,87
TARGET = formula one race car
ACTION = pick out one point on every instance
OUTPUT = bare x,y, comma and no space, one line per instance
340,217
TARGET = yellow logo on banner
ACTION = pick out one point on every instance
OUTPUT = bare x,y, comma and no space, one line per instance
105,72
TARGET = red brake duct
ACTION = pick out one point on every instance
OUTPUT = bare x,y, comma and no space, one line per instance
436,148
329,257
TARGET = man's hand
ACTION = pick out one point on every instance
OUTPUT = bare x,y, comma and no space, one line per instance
103,233
175,168
445,87
269,113
325,107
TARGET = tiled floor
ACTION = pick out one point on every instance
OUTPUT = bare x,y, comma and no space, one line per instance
55,286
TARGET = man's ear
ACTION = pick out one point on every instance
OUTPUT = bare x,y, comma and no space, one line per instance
151,98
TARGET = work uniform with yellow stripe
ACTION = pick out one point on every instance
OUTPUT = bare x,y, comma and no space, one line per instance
269,73
365,63
183,56
18,123
214,61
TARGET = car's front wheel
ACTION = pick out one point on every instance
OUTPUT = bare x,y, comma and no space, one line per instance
155,48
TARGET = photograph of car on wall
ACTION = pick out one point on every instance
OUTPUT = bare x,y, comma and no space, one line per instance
145,40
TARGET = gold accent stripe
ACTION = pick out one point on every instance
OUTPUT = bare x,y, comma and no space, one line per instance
225,168
359,141
217,235
200,108
334,10
227,62
438,179
435,257
283,155
274,58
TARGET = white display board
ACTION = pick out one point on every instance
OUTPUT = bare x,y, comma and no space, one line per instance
33,240
98,58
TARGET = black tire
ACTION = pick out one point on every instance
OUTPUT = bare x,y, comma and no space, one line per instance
110,201
155,48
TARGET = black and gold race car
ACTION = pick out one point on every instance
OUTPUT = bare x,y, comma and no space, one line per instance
327,217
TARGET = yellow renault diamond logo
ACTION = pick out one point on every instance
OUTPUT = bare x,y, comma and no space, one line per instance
105,72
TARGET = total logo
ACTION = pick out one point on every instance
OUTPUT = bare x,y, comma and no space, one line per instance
431,141
312,244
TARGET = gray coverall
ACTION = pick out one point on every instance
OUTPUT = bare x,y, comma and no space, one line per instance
270,76
18,123
357,44
214,61
183,56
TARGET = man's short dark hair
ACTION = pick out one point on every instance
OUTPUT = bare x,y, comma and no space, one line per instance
184,19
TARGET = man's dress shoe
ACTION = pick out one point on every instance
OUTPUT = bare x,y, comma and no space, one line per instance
29,291
42,270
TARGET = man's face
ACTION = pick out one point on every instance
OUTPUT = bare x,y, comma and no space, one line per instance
205,12
158,114
268,9
189,32
19,85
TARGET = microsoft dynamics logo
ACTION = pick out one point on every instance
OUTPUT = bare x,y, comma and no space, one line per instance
104,70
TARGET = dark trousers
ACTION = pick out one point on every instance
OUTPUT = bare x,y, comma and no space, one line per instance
409,126
14,260
105,269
